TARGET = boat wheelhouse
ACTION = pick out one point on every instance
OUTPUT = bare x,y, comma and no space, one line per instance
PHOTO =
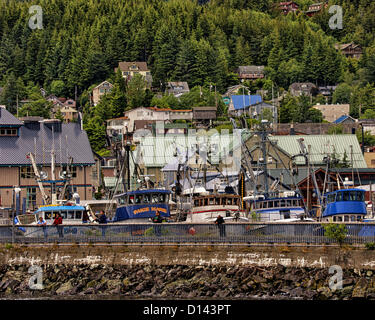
73,214
277,209
206,208
141,205
346,205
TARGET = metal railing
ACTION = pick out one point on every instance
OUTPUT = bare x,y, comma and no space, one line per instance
249,233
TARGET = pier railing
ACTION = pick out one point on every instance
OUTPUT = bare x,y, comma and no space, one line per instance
311,233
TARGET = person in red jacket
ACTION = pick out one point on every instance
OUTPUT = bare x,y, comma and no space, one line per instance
58,223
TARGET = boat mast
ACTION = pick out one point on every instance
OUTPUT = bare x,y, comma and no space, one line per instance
263,134
38,177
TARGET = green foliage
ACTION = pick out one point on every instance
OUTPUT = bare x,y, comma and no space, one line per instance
336,232
370,245
136,92
96,132
342,94
38,106
336,129
368,114
58,88
165,101
58,115
224,127
369,139
298,109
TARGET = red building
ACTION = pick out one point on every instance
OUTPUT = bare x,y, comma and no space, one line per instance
288,6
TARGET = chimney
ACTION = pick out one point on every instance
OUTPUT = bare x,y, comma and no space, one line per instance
54,124
2,107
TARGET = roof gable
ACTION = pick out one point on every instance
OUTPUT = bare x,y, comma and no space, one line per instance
7,119
343,118
137,65
71,141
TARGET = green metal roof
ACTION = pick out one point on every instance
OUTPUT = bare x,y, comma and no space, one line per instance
323,145
160,150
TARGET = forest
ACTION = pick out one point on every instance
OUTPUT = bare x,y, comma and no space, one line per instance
201,42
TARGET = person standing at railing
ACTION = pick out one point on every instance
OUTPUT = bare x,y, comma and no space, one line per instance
102,220
42,223
157,219
58,223
220,223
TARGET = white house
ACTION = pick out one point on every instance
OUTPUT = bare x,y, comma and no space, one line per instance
153,114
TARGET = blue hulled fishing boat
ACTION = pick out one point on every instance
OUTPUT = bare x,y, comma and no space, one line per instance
140,205
346,205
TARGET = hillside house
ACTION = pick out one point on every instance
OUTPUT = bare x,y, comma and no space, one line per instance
69,113
303,88
344,120
332,112
315,8
287,7
250,72
204,114
130,69
145,116
117,126
100,90
177,88
351,50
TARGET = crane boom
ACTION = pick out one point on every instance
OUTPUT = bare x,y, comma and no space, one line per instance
38,177
304,153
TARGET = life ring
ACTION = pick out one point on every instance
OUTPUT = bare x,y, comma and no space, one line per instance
192,231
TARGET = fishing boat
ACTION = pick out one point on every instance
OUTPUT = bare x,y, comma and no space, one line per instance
140,206
345,205
288,207
206,208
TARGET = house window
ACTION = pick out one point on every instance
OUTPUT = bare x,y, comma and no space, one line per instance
72,170
8,132
139,113
31,197
27,172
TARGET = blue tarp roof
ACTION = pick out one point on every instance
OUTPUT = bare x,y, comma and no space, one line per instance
341,119
243,101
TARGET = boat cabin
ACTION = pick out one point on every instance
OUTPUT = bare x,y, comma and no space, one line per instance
347,205
68,213
218,200
143,197
140,205
278,203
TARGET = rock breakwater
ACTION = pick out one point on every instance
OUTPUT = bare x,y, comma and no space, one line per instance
185,282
